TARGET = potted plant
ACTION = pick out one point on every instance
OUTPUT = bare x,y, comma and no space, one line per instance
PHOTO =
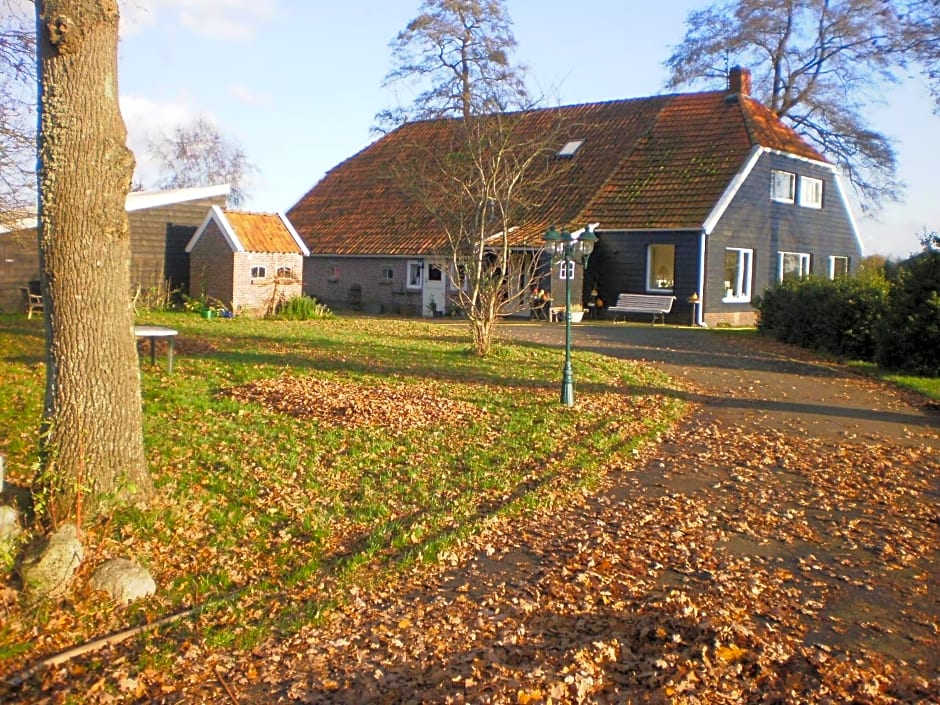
577,313
432,307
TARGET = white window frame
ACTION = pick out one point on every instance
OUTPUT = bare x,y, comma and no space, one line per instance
388,273
415,275
651,284
782,186
811,192
740,288
805,264
259,271
832,265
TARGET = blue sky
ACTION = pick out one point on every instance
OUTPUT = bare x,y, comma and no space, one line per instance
298,82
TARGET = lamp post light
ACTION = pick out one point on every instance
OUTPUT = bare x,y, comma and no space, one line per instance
565,246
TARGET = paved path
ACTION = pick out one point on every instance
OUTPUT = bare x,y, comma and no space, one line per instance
757,383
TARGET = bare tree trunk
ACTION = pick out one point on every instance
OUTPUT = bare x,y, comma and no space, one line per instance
93,454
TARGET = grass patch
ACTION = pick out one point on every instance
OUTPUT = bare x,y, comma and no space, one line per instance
271,508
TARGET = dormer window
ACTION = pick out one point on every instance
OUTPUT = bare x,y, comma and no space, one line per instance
570,149
811,192
782,186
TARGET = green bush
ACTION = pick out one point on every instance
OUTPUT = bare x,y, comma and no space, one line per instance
302,308
908,336
836,316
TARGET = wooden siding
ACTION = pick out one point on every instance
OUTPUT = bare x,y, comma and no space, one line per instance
618,266
158,238
19,264
753,221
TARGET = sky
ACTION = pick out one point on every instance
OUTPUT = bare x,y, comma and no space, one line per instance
298,83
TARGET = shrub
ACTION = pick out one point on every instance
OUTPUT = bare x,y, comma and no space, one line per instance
908,337
836,316
302,308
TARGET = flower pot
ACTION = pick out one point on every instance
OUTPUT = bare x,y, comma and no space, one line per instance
207,314
576,316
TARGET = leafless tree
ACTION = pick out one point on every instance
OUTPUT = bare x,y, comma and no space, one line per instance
93,455
17,113
475,176
817,64
197,154
921,40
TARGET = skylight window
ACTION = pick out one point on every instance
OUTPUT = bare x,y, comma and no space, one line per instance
570,148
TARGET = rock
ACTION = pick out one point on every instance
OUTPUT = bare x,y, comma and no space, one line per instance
48,570
125,580
9,524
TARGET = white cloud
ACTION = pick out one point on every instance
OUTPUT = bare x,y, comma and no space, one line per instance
216,19
147,120
245,95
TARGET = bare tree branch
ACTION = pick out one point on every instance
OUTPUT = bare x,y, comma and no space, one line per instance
817,64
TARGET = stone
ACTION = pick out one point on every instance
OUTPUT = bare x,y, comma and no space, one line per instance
125,580
48,570
9,524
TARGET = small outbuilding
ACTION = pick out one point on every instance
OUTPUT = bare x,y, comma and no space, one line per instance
251,262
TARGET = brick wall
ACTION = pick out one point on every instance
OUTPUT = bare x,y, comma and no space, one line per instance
210,266
257,296
332,281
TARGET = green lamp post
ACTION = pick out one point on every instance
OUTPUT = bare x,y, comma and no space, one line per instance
565,246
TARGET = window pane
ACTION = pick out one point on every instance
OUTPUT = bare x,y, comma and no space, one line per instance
811,191
840,267
793,265
414,274
737,284
782,186
660,267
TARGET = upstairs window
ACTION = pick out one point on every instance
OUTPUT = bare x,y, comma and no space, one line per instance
388,273
332,272
435,273
794,265
259,272
782,186
285,272
660,267
811,192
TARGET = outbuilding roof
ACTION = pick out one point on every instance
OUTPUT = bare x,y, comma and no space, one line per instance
252,232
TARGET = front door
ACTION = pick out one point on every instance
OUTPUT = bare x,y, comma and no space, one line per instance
434,300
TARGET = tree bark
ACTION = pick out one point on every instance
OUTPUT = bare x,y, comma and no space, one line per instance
92,442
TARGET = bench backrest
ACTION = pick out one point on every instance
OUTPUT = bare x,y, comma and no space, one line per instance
645,302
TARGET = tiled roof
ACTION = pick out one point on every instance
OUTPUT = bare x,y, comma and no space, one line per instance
648,163
262,232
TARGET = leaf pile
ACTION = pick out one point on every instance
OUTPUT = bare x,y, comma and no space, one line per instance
349,403
730,569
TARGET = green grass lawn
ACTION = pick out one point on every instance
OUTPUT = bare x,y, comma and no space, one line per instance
296,460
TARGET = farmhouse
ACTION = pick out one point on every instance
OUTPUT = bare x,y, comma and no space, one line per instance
704,196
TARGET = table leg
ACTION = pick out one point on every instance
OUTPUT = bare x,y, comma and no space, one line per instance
153,358
169,355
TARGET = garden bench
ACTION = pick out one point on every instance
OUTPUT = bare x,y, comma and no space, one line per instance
657,304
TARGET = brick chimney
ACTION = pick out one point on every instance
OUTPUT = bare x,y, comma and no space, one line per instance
739,81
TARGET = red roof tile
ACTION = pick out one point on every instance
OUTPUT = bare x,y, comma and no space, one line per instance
261,232
646,163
